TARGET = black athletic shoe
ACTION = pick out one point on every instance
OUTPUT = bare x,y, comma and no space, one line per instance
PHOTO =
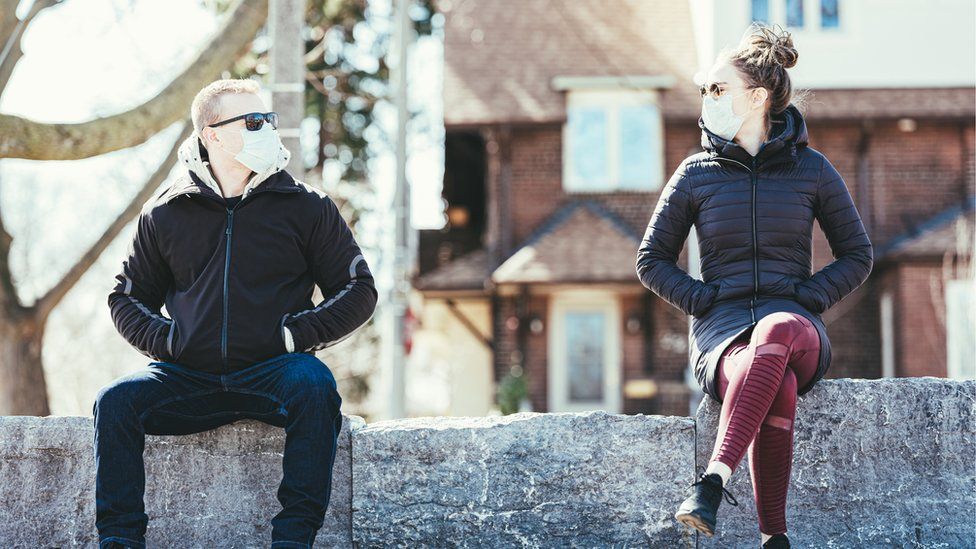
699,510
778,541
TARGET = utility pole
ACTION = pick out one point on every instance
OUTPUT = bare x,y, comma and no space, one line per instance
286,18
403,257
694,269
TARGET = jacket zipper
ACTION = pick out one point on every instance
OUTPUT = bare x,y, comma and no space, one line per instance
223,323
755,246
753,179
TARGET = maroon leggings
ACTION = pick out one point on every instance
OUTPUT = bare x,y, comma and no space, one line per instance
759,375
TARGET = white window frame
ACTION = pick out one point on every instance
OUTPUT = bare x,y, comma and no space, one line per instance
887,310
957,293
611,100
607,302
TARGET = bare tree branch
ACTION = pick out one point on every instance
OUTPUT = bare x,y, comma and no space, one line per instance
23,138
12,30
43,307
8,18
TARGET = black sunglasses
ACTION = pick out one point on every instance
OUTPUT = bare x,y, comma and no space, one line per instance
252,120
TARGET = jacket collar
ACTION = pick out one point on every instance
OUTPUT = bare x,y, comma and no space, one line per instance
789,133
198,178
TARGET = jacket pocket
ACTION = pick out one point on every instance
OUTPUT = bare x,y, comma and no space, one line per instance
174,342
164,348
802,295
711,299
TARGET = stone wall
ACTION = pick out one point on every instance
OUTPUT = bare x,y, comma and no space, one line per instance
877,463
880,463
526,480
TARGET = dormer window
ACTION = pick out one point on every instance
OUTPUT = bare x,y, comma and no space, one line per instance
796,13
613,140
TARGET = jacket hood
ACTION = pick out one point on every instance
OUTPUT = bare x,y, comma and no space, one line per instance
788,134
195,158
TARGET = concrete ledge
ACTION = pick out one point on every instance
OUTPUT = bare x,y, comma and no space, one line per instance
524,480
210,489
877,463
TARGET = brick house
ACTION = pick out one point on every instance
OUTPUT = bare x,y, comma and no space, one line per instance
563,125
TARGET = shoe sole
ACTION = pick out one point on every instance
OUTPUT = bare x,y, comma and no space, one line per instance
694,521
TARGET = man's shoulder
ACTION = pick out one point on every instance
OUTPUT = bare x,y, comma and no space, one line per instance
311,193
316,198
162,196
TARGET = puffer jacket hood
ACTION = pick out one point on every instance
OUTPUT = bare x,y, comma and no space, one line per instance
753,217
195,158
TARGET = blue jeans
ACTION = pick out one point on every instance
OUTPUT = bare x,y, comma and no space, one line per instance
296,391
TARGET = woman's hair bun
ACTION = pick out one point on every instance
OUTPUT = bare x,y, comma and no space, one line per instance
764,44
784,52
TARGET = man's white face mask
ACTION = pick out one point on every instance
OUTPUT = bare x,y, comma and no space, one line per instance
260,146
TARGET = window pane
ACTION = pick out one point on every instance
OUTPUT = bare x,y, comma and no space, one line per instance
829,16
584,352
760,10
640,136
794,13
588,135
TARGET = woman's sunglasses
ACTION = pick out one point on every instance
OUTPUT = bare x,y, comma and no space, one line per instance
713,89
252,120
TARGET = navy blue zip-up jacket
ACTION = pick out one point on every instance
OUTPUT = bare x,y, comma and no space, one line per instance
235,279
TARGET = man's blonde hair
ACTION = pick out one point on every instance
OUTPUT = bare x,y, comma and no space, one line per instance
205,108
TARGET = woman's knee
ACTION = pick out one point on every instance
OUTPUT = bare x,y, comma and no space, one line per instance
781,327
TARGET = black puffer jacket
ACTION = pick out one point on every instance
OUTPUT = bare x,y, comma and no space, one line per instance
754,220
233,279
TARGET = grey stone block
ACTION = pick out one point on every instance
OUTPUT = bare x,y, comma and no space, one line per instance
211,489
877,463
525,480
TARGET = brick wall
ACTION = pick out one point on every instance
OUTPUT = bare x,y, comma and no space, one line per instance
912,175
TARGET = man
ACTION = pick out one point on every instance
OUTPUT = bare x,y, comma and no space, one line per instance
233,248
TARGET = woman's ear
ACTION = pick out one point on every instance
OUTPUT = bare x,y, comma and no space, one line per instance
760,95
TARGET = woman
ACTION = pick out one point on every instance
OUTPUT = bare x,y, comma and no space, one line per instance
758,340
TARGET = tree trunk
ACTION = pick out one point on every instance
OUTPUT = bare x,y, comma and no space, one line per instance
23,390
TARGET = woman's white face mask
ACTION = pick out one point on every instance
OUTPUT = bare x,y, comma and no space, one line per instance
719,117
